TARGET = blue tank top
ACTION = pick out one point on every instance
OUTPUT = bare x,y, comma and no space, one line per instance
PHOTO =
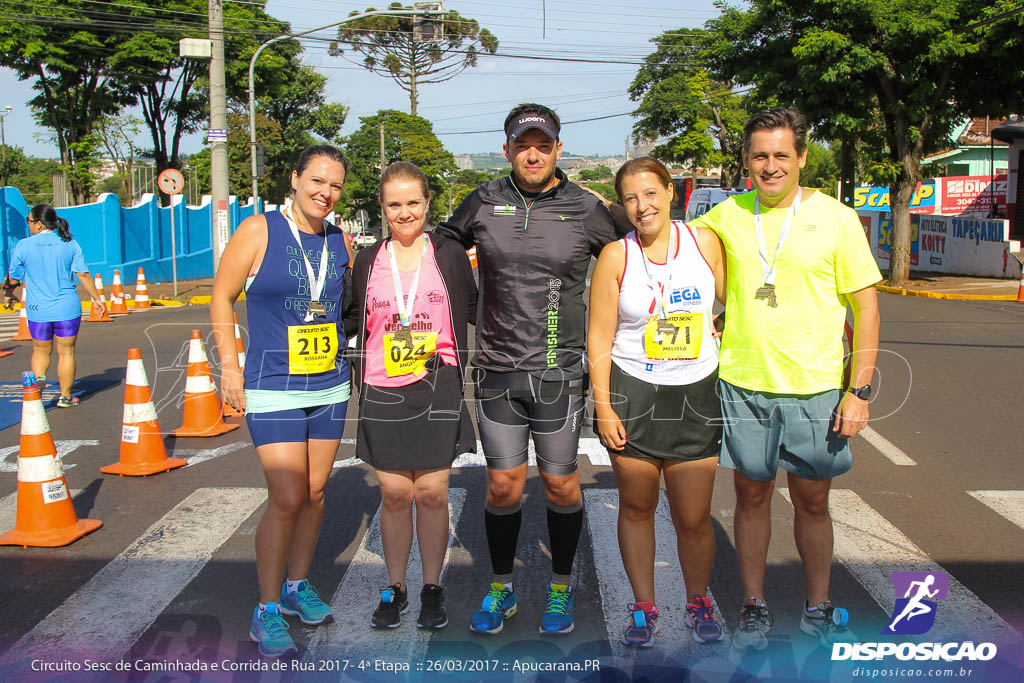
278,297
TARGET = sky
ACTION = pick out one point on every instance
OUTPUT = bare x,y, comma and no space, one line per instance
614,36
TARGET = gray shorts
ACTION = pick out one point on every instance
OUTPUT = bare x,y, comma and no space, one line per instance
763,431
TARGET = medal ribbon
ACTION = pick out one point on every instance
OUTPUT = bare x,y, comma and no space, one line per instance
403,304
668,269
316,285
769,273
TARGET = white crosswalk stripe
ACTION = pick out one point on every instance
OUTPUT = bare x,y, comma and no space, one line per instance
122,599
357,597
1007,504
8,326
871,548
602,507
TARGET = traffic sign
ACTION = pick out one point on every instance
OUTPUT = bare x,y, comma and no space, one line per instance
170,181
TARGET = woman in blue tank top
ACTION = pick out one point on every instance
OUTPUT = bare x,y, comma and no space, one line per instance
295,386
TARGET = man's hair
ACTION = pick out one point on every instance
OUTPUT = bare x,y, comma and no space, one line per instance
531,108
773,119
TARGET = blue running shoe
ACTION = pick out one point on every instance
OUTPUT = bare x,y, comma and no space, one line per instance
700,616
498,605
643,623
270,631
305,603
558,612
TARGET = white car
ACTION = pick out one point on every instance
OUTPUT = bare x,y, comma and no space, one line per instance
364,240
703,198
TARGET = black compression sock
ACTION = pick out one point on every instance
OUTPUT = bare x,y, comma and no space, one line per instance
564,527
502,527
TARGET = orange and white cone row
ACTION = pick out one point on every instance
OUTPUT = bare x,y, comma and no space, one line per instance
229,410
202,407
95,317
142,442
141,291
1020,288
117,304
46,516
23,332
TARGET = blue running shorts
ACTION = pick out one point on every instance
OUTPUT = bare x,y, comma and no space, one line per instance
763,431
297,424
61,328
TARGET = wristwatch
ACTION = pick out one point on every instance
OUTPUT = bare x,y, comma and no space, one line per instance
863,393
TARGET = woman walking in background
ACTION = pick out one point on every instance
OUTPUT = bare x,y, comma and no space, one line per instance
48,262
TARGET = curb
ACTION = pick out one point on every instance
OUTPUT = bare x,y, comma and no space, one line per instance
901,291
206,298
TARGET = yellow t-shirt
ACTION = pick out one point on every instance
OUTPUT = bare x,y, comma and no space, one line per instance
796,348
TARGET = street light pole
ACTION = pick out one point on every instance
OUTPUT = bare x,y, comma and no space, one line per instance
3,141
252,74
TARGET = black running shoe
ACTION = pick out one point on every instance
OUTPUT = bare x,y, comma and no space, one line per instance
393,604
432,614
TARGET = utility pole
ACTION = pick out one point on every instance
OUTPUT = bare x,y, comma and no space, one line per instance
218,135
384,230
3,140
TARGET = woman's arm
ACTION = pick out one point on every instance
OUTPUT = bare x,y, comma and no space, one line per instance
90,286
604,317
711,248
239,258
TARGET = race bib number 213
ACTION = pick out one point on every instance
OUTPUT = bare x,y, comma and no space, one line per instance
312,348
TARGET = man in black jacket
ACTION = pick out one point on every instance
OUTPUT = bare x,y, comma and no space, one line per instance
535,234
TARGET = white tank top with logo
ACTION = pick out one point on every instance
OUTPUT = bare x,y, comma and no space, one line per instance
664,334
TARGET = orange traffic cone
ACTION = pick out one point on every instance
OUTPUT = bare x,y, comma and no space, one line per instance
117,305
471,253
95,317
23,333
1020,288
46,516
142,442
202,409
141,291
229,410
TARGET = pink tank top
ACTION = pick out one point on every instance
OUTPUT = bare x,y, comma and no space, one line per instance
391,361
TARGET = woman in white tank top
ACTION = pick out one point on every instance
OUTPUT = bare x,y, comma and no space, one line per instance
654,367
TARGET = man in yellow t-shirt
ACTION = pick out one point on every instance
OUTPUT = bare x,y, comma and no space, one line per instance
795,260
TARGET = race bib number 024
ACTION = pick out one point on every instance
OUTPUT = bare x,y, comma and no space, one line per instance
674,338
312,348
403,356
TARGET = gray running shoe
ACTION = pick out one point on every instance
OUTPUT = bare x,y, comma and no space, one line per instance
754,623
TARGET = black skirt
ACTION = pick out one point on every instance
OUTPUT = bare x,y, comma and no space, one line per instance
668,422
421,426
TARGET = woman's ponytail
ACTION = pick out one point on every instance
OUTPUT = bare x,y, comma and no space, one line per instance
63,229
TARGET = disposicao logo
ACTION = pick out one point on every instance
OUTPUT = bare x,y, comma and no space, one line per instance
914,613
917,596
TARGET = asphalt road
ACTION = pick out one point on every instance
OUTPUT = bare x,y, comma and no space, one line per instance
937,486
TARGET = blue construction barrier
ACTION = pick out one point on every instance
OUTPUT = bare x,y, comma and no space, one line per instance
118,238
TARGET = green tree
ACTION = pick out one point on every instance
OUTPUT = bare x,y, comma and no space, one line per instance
701,115
606,189
822,170
596,173
33,177
388,48
406,138
275,185
894,68
66,48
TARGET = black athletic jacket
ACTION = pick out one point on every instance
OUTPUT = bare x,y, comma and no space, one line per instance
533,255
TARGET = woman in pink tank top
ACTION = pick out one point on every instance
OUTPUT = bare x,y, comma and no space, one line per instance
414,294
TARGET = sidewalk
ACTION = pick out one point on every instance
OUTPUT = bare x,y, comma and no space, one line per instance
938,286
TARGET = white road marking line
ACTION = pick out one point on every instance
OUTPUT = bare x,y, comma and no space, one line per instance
107,614
198,455
674,636
358,594
1007,504
589,446
9,510
64,447
871,549
887,448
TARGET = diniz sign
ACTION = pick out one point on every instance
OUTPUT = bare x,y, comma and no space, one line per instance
973,194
